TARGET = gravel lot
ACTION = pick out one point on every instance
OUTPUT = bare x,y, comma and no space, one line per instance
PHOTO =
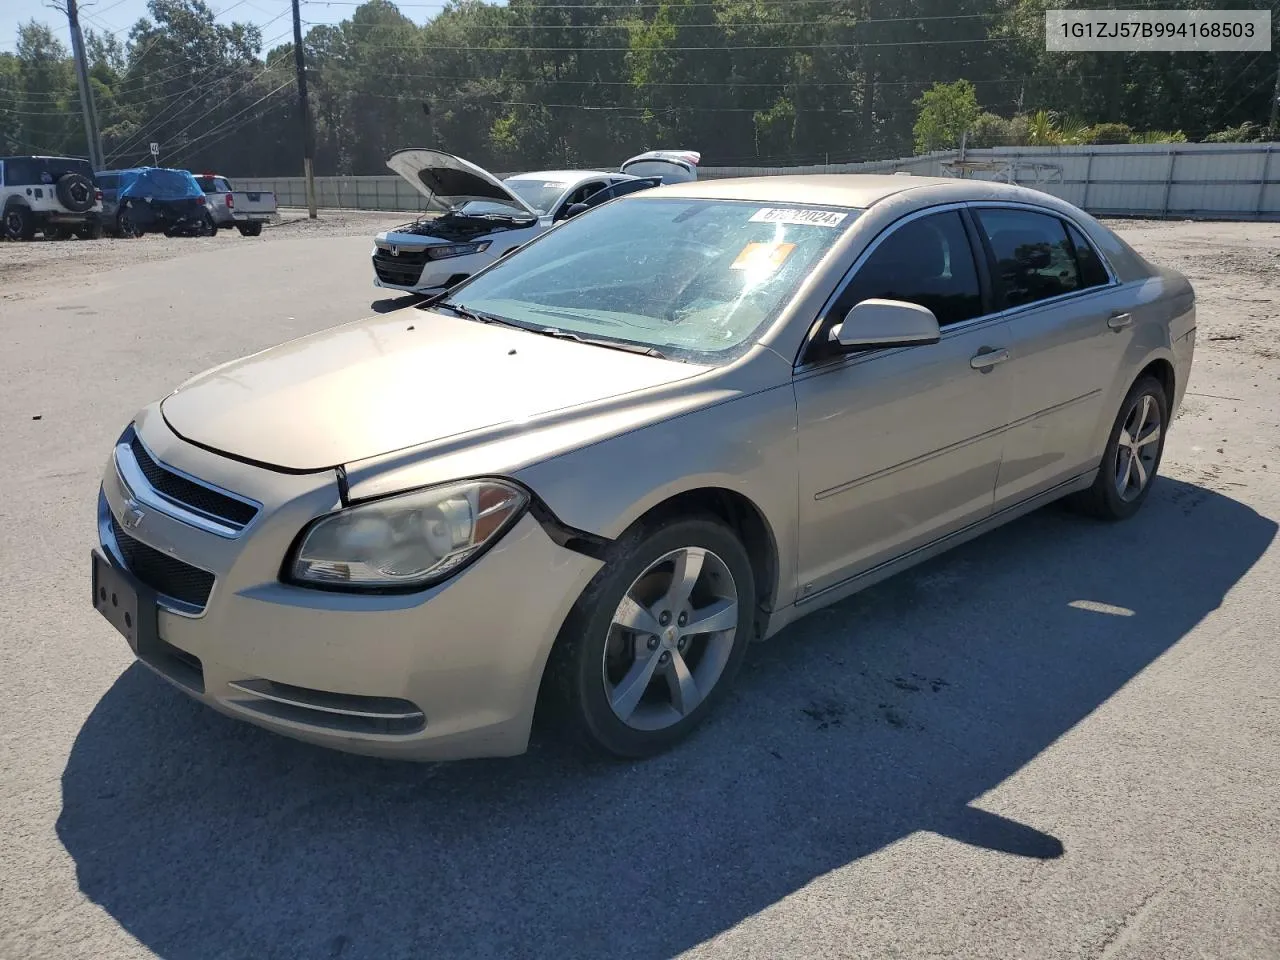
975,759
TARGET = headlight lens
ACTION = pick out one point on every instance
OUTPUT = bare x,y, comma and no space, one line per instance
456,250
410,540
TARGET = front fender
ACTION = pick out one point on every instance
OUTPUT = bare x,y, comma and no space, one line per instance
746,445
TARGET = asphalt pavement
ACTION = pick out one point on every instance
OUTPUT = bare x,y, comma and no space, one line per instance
1059,741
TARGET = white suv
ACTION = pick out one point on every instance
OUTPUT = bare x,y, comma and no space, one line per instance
56,196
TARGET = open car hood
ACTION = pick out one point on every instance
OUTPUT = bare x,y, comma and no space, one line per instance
673,166
450,180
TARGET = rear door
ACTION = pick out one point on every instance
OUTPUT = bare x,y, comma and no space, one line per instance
901,446
1064,351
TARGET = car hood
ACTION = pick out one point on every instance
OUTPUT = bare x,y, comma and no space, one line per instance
386,383
451,180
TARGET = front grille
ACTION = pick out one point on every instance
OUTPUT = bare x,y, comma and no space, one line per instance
190,494
404,270
162,573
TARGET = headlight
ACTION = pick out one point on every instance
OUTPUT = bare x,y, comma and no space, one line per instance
407,541
456,250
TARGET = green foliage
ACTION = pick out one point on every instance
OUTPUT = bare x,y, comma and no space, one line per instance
539,83
1110,133
947,110
1245,133
1159,136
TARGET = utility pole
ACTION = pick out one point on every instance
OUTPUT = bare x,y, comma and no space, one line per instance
1275,108
308,137
86,90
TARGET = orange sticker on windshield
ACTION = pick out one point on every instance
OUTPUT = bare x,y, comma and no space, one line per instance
765,257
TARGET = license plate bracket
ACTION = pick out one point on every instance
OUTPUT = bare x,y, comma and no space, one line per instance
127,604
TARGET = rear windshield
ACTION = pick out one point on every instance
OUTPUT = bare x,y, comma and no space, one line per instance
668,171
163,184
28,171
213,184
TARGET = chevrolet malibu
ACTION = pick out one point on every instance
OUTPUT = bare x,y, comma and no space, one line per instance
584,480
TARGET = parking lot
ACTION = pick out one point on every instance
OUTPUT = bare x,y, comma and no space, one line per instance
1061,740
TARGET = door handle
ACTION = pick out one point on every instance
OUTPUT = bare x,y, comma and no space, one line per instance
988,358
1119,321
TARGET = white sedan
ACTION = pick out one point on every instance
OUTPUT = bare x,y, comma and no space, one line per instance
486,217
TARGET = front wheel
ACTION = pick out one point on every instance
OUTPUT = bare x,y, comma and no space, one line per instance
1132,455
655,640
127,226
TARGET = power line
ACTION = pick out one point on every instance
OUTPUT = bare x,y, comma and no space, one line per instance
186,148
666,49
132,141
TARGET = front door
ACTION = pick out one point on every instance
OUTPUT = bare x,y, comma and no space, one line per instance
901,446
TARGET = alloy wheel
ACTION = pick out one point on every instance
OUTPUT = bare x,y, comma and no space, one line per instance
1137,448
670,638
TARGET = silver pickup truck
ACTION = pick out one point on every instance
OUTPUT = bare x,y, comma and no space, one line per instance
247,211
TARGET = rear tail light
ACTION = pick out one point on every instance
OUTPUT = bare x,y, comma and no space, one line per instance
230,202
97,196
200,200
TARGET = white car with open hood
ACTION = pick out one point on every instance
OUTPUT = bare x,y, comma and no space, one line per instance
484,217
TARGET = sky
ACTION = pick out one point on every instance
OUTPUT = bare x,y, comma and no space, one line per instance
117,16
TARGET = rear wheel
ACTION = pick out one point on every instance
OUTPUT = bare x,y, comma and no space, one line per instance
1132,454
207,227
19,224
655,640
250,229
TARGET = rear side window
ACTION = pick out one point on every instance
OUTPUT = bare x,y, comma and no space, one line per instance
927,261
35,171
1034,259
1092,271
221,186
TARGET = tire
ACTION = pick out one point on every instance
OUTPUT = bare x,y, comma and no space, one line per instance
593,657
75,192
250,229
126,226
1106,500
210,226
19,223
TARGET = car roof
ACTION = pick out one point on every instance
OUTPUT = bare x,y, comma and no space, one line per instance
566,175
855,190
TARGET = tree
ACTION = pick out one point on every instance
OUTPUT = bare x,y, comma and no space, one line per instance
947,110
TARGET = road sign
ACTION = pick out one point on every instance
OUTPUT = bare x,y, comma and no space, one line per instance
155,149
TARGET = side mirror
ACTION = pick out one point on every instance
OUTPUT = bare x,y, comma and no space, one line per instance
510,250
874,324
575,209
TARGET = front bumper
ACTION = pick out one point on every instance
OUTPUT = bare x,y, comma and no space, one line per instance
410,270
447,673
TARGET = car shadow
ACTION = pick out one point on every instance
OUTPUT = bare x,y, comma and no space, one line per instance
885,715
389,304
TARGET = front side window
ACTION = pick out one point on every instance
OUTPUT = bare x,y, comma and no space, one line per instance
1034,259
929,262
693,279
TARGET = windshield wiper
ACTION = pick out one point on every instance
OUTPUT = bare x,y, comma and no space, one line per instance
479,316
639,348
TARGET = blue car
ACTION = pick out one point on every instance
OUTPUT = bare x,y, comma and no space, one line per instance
154,200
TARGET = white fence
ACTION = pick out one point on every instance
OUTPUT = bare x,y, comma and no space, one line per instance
1239,181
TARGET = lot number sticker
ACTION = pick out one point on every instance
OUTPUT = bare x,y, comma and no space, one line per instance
808,218
762,258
